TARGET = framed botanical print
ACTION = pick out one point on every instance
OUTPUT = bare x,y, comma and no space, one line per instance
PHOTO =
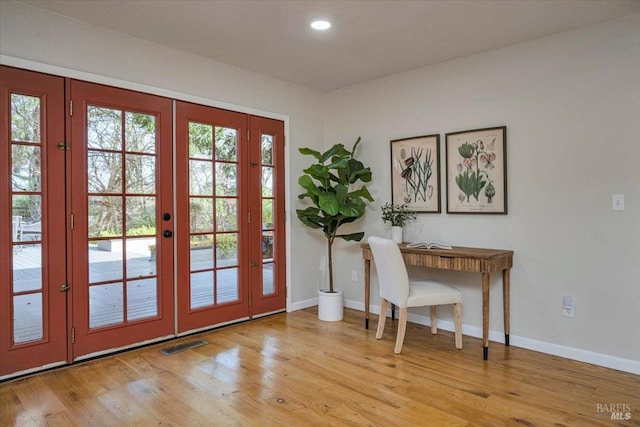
477,171
415,173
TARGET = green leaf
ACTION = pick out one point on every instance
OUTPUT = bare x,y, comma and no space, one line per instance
355,208
347,220
355,146
317,171
328,202
362,192
359,172
340,163
337,149
307,183
309,211
341,193
353,236
310,217
355,165
310,152
350,210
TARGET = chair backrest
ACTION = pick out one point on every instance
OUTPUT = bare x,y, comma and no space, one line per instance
392,273
31,227
16,222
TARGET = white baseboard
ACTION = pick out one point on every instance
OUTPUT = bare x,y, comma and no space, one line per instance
301,305
605,360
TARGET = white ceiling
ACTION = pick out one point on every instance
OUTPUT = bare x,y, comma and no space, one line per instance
369,39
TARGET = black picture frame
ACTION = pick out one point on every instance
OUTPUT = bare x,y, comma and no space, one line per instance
415,173
476,171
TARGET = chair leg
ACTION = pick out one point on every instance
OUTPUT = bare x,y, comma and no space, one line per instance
382,318
457,317
402,327
434,319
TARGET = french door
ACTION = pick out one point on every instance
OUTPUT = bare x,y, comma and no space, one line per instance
230,180
88,224
33,301
122,212
266,202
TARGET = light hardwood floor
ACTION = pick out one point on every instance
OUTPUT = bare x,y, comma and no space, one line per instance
293,370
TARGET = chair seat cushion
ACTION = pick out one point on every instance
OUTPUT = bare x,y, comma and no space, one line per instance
430,292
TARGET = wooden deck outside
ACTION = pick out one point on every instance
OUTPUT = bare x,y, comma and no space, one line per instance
107,301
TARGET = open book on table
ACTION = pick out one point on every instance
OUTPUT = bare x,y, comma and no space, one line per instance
424,245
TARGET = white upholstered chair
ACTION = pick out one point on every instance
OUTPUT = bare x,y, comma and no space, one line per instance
396,288
16,234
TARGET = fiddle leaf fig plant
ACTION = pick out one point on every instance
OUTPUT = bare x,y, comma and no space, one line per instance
334,187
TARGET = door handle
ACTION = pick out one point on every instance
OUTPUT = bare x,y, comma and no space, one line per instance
167,233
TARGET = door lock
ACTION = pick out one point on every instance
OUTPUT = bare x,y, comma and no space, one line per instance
64,288
167,233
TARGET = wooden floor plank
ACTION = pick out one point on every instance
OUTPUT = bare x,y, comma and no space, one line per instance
292,370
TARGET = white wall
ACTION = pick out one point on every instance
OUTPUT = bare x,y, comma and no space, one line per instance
85,51
571,104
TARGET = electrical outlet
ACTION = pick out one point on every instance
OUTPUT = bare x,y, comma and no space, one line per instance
617,202
568,306
354,276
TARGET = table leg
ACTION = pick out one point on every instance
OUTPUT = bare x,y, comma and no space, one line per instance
485,315
505,302
367,291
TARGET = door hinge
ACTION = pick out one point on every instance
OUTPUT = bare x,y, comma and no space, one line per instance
63,146
73,335
64,287
248,217
70,107
248,135
71,224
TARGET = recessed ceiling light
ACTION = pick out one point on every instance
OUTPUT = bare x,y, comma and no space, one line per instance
321,25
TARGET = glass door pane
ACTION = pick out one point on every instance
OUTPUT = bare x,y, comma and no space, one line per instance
268,226
121,199
213,215
26,189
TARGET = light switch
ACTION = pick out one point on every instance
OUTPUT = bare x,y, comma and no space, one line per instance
617,202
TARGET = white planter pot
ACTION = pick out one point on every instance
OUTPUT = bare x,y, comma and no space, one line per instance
396,234
330,305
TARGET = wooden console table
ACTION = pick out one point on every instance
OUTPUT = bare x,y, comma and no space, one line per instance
475,260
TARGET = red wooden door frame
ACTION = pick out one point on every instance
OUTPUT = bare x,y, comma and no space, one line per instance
191,319
87,340
275,301
52,348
